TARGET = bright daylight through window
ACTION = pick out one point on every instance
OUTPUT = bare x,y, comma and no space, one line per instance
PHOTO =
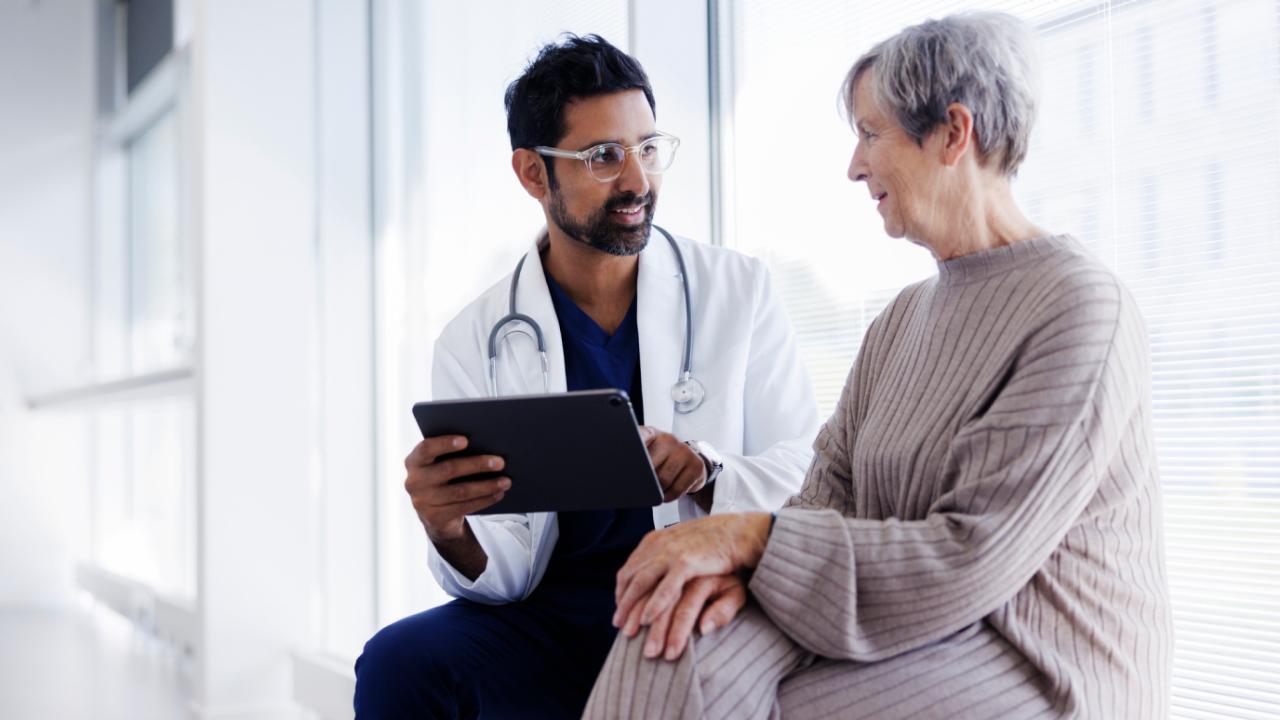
144,450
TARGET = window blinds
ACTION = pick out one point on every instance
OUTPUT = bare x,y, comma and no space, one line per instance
1157,146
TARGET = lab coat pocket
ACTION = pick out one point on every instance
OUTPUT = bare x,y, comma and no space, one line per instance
714,409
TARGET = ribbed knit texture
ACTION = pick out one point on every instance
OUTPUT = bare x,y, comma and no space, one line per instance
980,534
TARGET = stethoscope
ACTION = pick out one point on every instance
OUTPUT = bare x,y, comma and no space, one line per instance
687,392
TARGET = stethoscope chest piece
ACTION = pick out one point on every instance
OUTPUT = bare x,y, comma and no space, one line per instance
687,394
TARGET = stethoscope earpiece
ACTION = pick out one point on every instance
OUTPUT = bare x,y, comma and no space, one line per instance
687,392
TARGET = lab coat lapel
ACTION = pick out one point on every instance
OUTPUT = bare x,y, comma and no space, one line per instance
660,318
533,298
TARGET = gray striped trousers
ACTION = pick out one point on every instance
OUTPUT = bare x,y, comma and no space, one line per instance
750,669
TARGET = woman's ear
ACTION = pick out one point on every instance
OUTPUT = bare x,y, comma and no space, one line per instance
532,174
959,134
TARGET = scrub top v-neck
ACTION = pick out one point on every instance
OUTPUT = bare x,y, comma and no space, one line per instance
593,545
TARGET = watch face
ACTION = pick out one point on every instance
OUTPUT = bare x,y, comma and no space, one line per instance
709,452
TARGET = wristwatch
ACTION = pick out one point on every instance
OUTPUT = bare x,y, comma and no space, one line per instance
710,457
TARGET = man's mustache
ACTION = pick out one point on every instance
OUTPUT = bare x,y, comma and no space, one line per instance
628,199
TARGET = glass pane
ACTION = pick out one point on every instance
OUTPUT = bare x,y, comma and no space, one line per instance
158,260
1159,149
145,513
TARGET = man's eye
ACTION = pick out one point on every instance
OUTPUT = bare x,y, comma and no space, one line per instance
604,155
648,150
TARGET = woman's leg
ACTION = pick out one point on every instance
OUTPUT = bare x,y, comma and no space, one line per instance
732,673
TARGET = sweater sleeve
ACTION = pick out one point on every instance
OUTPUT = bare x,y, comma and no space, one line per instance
1020,472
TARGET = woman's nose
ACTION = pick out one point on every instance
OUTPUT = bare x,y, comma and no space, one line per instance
858,170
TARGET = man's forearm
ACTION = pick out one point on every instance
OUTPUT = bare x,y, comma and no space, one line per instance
464,553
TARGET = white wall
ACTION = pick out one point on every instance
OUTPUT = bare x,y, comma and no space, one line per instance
254,94
46,92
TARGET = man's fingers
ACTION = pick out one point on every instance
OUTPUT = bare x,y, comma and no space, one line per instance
464,466
482,503
446,495
686,614
723,608
648,434
431,448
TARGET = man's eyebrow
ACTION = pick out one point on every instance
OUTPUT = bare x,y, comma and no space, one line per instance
594,143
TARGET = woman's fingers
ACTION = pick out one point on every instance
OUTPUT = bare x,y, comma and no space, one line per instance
731,596
686,613
631,626
657,636
666,594
632,589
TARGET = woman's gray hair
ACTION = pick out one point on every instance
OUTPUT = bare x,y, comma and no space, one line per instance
985,61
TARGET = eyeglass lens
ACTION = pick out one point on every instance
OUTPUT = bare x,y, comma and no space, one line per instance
655,156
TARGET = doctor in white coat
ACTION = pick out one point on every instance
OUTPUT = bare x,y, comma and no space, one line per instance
758,413
510,642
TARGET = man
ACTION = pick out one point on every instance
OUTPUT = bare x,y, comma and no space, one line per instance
531,627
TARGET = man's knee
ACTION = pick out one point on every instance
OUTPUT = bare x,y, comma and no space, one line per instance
407,668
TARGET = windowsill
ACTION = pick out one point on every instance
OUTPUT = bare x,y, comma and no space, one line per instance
166,383
170,617
324,684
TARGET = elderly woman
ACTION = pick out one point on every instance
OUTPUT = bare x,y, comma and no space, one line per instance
979,535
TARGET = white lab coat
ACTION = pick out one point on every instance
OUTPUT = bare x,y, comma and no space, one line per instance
759,413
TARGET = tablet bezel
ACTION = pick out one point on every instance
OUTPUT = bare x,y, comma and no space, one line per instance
564,451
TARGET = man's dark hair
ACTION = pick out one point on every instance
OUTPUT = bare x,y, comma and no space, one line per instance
571,69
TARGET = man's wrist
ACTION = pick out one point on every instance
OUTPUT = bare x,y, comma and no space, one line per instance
711,462
705,496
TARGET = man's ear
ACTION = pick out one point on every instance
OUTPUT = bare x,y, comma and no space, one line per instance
959,134
532,174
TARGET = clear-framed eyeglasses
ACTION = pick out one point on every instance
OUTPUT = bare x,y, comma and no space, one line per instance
605,162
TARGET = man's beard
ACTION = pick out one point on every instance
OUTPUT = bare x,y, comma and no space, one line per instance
600,232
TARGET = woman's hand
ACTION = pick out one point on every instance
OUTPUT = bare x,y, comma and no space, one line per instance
710,602
654,578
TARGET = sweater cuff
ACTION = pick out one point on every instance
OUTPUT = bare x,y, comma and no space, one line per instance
802,580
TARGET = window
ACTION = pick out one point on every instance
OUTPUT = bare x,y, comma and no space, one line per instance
452,219
144,510
143,407
160,326
1157,146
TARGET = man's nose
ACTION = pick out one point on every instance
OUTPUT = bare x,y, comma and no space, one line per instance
633,177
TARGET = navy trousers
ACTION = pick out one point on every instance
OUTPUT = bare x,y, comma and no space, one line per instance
533,659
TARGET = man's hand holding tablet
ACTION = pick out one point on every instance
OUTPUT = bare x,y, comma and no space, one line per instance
442,507
446,484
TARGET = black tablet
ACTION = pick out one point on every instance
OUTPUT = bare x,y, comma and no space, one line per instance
567,451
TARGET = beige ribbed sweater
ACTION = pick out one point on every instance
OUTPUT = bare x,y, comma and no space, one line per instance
980,533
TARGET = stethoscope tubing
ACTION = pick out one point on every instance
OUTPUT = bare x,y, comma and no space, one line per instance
686,367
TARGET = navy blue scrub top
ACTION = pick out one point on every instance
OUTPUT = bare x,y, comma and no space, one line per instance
594,544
